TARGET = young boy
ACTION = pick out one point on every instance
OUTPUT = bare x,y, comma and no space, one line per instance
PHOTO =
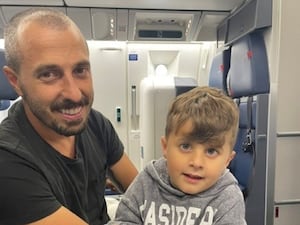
191,183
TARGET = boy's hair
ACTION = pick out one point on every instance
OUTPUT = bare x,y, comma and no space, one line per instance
212,113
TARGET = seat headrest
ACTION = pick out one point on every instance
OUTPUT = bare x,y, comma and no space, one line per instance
219,69
6,90
248,74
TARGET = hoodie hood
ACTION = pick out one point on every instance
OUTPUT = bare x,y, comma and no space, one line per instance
151,199
157,170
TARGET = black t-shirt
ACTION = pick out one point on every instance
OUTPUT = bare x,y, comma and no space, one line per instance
35,179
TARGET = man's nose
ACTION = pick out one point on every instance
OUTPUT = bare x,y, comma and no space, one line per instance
71,88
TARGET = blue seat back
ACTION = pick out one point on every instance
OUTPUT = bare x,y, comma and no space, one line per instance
4,104
242,165
7,93
248,77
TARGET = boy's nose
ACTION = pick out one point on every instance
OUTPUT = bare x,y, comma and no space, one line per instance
197,159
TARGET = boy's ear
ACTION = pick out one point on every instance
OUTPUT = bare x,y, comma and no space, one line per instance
163,144
12,79
231,156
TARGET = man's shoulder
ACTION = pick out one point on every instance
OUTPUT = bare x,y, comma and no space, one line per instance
96,116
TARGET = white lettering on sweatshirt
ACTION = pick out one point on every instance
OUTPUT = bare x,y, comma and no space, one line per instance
165,214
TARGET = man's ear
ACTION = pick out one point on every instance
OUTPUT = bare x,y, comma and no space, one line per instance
12,79
163,144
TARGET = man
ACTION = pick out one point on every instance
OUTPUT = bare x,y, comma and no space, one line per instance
55,151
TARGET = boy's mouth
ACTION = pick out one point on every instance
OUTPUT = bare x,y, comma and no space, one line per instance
193,176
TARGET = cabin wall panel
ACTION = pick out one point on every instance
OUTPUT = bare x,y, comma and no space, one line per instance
287,186
287,215
109,78
285,79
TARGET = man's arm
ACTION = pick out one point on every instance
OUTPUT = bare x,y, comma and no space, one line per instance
62,216
124,171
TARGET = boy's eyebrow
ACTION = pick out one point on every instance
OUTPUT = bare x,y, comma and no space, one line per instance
215,143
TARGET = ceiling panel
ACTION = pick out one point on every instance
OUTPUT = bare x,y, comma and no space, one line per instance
218,5
9,11
207,29
32,2
153,24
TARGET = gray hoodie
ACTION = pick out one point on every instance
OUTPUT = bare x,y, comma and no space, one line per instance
151,199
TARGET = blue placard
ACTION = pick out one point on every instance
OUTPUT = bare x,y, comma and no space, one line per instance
133,57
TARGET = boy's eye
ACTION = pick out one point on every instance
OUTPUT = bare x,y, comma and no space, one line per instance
212,151
185,147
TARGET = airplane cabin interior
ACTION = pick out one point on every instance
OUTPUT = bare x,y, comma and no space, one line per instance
144,53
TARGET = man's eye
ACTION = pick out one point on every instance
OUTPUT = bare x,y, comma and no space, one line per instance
48,76
82,71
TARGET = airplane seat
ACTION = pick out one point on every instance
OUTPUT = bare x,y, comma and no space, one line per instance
242,165
248,74
219,70
7,93
247,80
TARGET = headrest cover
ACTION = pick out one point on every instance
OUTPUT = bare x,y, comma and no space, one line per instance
219,69
248,74
6,90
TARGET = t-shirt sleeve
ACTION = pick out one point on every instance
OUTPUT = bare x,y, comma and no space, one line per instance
24,192
107,134
117,148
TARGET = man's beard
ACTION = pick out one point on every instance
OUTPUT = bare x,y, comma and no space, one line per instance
69,128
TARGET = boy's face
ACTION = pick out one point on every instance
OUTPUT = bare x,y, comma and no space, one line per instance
194,167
